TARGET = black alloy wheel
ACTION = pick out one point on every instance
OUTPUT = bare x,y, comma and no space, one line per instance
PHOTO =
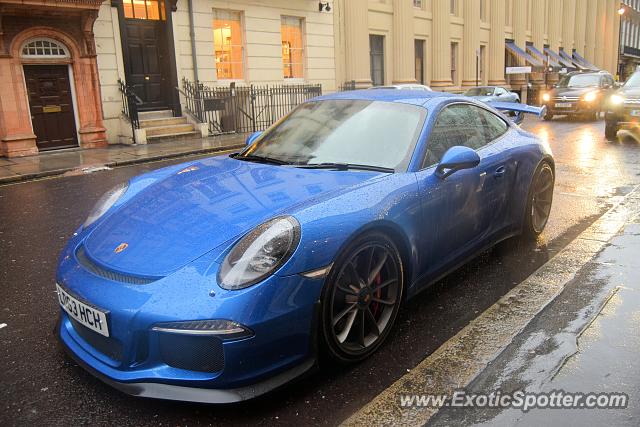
539,200
362,297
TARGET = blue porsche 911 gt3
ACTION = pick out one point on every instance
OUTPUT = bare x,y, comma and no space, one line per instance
222,278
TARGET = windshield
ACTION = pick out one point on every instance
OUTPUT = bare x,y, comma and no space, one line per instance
373,133
633,81
580,80
480,91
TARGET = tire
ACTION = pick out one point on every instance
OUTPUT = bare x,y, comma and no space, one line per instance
539,201
611,131
354,298
548,116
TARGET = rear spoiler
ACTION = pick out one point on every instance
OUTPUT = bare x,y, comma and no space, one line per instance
518,109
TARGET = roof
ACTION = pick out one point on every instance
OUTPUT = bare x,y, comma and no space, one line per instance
415,97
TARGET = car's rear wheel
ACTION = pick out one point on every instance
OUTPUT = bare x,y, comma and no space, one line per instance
539,201
362,297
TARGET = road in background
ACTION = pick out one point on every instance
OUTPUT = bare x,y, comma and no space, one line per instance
41,385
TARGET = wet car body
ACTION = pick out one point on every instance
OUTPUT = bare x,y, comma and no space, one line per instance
492,94
153,262
579,94
623,108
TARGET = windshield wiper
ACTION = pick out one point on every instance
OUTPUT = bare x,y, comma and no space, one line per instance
259,159
345,166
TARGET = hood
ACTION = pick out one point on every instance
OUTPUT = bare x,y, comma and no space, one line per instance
187,214
630,91
572,91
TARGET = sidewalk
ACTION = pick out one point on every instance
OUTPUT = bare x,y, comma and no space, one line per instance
62,161
586,341
572,325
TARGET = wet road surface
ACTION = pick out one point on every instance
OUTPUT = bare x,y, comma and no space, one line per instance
41,385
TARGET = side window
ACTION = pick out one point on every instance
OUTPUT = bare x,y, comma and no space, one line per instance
500,91
458,124
494,126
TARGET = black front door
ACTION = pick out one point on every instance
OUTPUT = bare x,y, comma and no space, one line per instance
146,53
51,106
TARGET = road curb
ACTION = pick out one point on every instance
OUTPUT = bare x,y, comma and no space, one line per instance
457,362
81,170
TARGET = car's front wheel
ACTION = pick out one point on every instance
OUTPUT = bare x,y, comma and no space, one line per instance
611,130
548,116
361,298
539,201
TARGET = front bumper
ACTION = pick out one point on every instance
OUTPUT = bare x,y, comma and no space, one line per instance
280,311
623,117
158,390
573,107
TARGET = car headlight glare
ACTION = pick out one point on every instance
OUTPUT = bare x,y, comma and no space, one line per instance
616,99
546,97
590,96
259,253
105,202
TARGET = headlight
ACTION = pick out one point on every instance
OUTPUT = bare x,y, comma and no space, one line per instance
616,99
259,253
590,96
105,202
546,97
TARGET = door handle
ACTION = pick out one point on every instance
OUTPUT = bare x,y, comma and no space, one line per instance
499,173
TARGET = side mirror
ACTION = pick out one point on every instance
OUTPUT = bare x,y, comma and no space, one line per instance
455,159
252,137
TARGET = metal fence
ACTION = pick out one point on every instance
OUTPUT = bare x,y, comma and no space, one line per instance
243,108
350,85
130,103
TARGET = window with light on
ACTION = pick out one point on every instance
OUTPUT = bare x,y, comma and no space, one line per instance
228,44
144,9
292,47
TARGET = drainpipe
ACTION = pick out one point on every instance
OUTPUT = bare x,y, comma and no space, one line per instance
192,36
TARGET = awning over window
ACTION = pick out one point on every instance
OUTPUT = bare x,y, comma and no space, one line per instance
558,58
578,58
541,56
519,53
576,64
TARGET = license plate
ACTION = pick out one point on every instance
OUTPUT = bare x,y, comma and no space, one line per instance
88,316
563,105
635,113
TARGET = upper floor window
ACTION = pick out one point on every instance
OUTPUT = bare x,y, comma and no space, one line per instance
292,47
44,48
483,10
144,9
417,3
453,7
228,44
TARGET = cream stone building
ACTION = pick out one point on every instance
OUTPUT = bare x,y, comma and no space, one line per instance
439,42
69,65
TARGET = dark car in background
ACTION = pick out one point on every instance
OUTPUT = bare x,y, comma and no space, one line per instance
492,94
623,108
579,94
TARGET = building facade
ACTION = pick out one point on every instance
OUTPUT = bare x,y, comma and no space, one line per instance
65,62
629,38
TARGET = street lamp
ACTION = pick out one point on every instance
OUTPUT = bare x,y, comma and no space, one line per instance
621,12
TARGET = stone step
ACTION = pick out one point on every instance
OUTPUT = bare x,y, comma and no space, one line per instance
158,114
170,129
149,123
173,136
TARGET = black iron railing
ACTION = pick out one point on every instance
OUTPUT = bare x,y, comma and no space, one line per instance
130,104
243,108
351,85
